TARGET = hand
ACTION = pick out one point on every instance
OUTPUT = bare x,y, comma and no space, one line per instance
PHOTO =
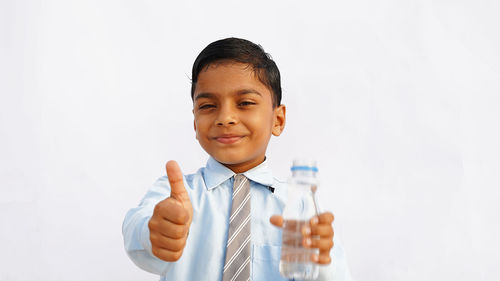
317,234
169,225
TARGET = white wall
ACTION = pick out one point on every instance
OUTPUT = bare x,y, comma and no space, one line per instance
398,100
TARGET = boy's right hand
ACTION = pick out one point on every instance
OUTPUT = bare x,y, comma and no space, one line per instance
169,225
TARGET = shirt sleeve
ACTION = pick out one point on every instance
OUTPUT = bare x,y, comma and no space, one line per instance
136,231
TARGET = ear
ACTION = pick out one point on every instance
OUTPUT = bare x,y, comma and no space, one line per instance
279,120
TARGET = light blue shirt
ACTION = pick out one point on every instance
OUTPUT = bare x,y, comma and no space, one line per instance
210,191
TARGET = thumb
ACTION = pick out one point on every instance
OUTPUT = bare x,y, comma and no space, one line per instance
276,220
178,191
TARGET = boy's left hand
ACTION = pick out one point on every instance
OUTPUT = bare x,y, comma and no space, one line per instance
318,234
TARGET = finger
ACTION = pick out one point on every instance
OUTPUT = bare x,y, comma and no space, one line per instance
306,230
323,244
321,259
276,220
290,239
291,225
326,218
164,242
168,229
323,230
325,254
314,220
178,191
172,210
166,255
307,242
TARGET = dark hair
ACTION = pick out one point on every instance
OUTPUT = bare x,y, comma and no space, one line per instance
243,51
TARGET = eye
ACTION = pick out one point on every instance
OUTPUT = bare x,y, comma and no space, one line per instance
206,106
246,103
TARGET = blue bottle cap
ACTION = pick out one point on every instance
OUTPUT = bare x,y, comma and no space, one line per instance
304,165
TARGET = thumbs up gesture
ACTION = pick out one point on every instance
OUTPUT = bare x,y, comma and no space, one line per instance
169,225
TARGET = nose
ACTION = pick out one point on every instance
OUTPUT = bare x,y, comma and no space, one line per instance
227,116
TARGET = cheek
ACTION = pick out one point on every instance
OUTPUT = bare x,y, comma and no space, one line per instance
201,127
261,124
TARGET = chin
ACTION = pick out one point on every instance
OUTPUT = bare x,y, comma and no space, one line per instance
230,157
228,160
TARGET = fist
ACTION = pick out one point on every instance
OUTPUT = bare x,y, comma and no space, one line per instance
169,225
318,233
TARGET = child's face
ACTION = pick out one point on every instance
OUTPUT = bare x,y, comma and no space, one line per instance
234,115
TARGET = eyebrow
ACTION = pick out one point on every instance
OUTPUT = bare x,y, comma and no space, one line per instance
239,93
248,91
204,95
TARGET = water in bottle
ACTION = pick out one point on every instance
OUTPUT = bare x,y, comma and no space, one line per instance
301,206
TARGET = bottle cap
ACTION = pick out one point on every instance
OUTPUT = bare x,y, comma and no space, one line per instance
304,165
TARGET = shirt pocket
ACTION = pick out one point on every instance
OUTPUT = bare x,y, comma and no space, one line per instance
265,263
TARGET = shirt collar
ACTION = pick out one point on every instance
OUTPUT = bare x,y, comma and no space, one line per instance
216,173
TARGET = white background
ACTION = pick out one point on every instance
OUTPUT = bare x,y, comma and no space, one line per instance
397,100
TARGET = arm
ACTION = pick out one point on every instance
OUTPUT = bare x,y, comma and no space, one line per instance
136,238
155,232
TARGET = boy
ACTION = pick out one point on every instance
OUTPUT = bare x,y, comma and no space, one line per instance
217,224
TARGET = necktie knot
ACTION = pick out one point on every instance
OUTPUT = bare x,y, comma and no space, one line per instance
238,178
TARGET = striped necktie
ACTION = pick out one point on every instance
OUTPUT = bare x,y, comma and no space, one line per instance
237,264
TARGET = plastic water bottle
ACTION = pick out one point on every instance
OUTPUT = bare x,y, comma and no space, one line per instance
301,206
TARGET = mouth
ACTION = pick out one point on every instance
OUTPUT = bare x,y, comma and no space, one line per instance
228,139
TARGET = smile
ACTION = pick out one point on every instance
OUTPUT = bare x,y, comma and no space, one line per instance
228,139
